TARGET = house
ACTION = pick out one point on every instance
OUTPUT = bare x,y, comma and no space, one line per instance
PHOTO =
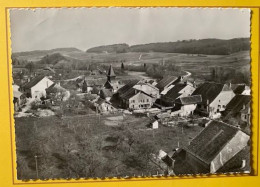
241,89
136,99
212,150
18,99
90,85
36,87
137,95
215,97
174,92
185,106
106,94
148,89
166,82
57,93
238,107
104,106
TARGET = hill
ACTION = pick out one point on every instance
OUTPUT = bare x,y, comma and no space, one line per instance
118,48
203,46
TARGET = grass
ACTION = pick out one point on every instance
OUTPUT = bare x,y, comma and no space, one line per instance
61,145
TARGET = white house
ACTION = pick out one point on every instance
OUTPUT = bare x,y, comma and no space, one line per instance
185,106
215,97
36,88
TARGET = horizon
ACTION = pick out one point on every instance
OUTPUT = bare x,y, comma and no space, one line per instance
124,43
84,28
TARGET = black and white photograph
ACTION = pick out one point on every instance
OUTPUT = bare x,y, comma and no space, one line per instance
131,92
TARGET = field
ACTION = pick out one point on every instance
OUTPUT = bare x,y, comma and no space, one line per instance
199,65
88,146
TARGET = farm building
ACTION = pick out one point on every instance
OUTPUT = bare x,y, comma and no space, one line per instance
136,99
218,146
238,107
90,85
241,89
185,106
147,88
176,91
166,82
56,92
137,95
106,94
104,106
215,97
36,87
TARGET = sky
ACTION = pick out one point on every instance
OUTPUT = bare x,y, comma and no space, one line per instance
83,28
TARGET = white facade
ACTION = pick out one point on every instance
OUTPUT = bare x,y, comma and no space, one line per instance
38,90
220,102
149,89
140,100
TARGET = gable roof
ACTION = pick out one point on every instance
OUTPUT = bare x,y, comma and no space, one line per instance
173,93
236,104
54,88
239,89
194,99
166,82
126,87
33,82
209,91
207,145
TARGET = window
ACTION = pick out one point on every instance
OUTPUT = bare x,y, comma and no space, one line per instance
147,100
133,101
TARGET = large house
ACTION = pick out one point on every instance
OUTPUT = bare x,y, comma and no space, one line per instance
218,147
36,88
215,97
137,95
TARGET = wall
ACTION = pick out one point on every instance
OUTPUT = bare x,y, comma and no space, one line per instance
38,90
220,102
235,145
135,101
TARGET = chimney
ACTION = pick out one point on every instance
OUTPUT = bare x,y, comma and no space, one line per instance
230,85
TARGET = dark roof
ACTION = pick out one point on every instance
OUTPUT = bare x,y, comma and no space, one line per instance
236,104
239,89
34,81
189,100
94,82
126,87
106,93
173,93
166,82
129,93
211,140
111,72
209,91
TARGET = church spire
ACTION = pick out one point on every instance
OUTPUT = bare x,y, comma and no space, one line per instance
111,74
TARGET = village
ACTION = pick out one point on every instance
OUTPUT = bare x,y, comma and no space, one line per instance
207,123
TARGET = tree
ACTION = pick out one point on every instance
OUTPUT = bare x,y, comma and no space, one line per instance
122,66
30,66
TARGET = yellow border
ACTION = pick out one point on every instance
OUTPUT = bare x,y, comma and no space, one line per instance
7,141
